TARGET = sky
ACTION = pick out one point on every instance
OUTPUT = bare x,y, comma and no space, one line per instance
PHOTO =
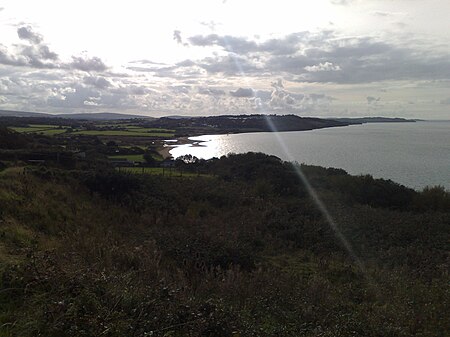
324,58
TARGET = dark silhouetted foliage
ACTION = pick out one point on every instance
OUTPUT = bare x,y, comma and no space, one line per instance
243,251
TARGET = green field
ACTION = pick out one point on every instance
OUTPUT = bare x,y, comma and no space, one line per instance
26,129
40,128
130,130
131,157
141,129
130,146
170,172
122,133
47,126
136,157
51,132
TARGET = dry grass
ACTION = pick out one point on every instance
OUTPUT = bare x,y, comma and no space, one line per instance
90,254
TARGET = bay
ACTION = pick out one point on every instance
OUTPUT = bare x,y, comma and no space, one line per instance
413,154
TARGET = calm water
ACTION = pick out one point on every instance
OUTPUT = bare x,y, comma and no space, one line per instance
413,154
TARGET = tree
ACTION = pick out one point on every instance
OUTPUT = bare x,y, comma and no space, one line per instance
149,160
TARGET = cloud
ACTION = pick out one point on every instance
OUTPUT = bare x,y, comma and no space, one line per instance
372,100
26,33
324,57
278,83
131,90
32,77
75,96
181,70
229,43
177,37
46,53
211,91
382,14
241,45
210,24
280,97
327,66
400,24
243,92
88,63
229,65
39,55
342,2
149,62
97,81
141,69
186,63
35,56
180,89
240,75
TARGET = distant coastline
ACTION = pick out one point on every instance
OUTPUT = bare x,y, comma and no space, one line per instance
363,120
182,128
164,150
414,154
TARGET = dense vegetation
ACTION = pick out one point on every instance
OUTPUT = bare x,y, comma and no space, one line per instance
170,126
243,123
241,250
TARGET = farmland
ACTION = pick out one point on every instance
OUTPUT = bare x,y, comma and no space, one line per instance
41,129
234,246
129,133
96,130
161,171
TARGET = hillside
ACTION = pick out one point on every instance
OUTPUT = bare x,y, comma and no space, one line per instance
362,120
236,248
80,116
243,123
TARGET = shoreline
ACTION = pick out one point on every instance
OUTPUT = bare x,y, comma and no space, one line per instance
415,175
167,146
164,150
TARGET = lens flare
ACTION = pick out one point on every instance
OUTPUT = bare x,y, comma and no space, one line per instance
315,197
310,189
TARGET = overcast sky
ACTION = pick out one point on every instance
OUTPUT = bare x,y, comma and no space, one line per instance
326,58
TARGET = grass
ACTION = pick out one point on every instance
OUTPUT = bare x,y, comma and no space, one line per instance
96,253
122,133
130,146
27,129
136,157
131,157
132,131
45,129
51,132
140,129
47,126
130,127
170,172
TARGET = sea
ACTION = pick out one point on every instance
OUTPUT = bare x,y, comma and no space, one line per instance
412,154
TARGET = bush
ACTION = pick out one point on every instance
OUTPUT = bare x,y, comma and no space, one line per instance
433,198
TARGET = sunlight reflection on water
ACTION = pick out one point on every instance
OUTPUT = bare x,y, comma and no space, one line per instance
413,154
